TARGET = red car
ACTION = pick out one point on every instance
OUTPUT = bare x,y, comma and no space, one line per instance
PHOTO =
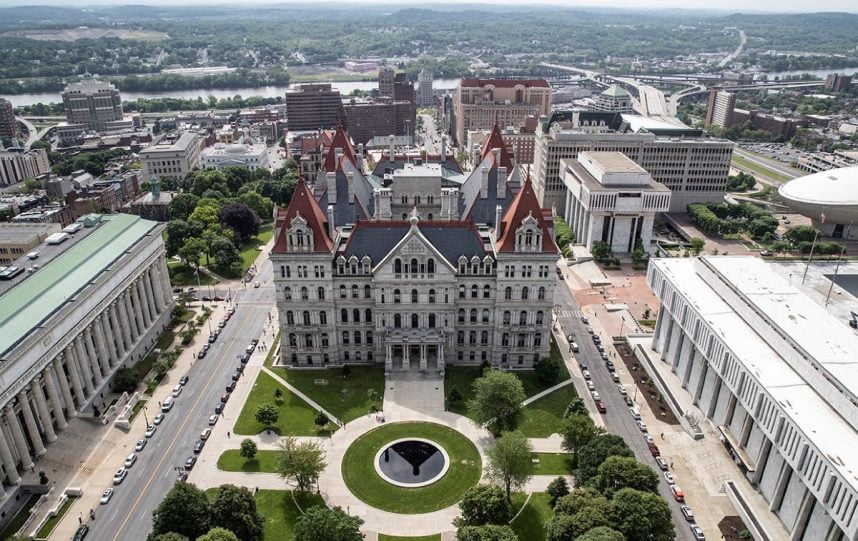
601,407
653,449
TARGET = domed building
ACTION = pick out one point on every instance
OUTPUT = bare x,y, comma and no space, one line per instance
828,198
614,99
244,153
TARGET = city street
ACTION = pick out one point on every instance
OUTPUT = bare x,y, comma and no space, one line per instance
429,135
617,419
128,516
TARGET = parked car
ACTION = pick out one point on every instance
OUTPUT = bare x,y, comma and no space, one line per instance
240,369
198,446
132,458
245,358
189,463
182,477
212,338
641,426
213,420
653,450
249,349
236,375
601,407
204,435
158,419
140,445
615,377
687,513
662,463
584,320
106,495
218,411
648,439
151,431
231,387
697,532
671,480
591,385
201,354
221,324
586,374
225,397
256,284
120,476
183,380
81,532
574,347
604,356
629,401
177,390
622,389
677,493
570,338
609,365
596,396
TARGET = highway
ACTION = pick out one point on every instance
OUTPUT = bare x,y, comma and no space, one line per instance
743,39
617,420
766,163
128,516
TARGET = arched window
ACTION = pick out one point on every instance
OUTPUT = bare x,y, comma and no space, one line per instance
474,291
323,317
539,317
415,321
461,315
472,338
342,292
431,321
320,292
354,291
397,297
357,337
369,341
429,216
404,199
344,316
414,267
522,318
487,291
505,340
540,294
397,321
299,238
290,318
430,264
524,293
293,340
368,315
287,293
306,317
345,338
473,315
485,318
397,266
537,340
431,296
417,199
414,296
507,293
367,292
484,338
460,338
308,340
304,294
461,292
325,342
506,317
356,316
528,238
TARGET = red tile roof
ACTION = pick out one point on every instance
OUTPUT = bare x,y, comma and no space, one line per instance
495,140
525,204
505,83
303,204
341,140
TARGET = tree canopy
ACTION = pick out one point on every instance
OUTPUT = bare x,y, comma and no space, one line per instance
300,462
497,400
184,510
484,504
509,462
323,524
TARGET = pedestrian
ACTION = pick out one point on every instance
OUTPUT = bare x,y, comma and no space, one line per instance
227,433
80,520
662,435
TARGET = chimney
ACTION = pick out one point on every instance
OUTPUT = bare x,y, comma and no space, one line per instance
332,186
332,228
501,187
360,156
351,186
392,141
484,182
384,197
498,218
443,149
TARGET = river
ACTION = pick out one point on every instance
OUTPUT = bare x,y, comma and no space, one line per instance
817,74
345,87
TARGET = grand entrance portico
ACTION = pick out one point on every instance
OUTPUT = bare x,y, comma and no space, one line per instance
407,349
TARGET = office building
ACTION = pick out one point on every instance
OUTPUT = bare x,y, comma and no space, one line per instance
611,199
246,153
837,82
380,119
774,372
720,109
58,213
403,89
519,141
386,75
313,107
780,126
480,103
97,302
171,157
16,166
18,240
94,199
614,99
465,276
8,124
692,166
426,96
92,104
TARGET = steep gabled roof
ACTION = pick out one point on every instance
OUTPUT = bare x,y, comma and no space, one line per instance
341,140
495,140
525,204
303,204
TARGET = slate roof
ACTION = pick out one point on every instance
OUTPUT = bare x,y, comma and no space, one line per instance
341,140
482,210
386,165
451,239
345,211
304,204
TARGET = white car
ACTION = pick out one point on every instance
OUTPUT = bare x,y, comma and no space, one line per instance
140,445
151,431
591,385
158,419
671,480
106,495
642,426
586,374
622,389
120,476
596,396
132,458
213,420
177,390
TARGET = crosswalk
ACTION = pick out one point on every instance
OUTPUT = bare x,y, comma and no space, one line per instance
569,313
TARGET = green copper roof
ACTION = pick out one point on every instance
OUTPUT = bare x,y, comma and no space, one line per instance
615,91
28,304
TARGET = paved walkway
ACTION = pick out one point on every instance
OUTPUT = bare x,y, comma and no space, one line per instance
547,391
301,395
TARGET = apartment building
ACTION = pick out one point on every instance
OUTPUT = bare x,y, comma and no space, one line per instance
481,103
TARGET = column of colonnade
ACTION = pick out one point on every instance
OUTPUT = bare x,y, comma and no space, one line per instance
75,373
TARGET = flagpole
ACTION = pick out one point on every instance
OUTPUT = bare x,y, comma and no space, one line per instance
836,270
812,246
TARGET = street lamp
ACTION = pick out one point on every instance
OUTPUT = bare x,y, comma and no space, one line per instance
622,324
145,417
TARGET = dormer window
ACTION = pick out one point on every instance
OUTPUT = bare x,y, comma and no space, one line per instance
528,237
300,235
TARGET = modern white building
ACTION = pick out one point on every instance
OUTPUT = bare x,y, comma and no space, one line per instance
249,155
611,199
777,375
171,157
828,198
98,301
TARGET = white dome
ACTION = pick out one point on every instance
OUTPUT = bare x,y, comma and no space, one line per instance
833,192
237,148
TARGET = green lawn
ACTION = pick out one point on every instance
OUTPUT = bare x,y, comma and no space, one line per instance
552,463
296,418
52,522
182,275
530,523
360,476
19,519
756,168
382,537
265,461
347,399
542,418
281,513
250,250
